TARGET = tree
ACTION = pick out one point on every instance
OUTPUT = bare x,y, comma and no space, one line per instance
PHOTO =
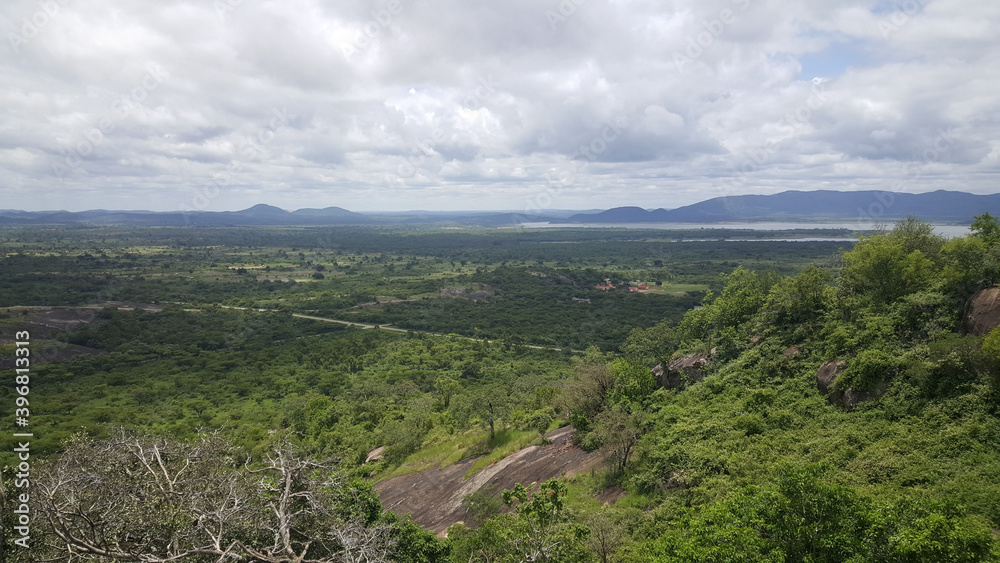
742,296
141,498
489,403
913,531
483,504
541,512
915,234
797,299
987,228
606,535
654,344
633,383
880,269
445,388
588,394
618,431
796,518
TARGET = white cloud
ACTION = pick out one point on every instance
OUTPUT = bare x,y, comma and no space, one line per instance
447,104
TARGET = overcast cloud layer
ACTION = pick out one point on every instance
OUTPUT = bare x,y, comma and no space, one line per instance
513,104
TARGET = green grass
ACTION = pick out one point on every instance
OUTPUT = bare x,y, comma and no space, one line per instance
505,443
678,288
439,449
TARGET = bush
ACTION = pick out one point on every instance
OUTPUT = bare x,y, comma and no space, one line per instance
868,369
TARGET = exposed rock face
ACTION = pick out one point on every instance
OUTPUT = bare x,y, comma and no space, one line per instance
434,496
827,373
376,454
849,398
658,372
792,351
984,312
685,369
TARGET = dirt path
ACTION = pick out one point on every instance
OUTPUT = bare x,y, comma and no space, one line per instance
91,311
434,496
364,326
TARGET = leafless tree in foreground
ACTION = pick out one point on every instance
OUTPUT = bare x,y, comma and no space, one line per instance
156,500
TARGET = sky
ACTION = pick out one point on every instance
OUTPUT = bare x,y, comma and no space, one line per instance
522,105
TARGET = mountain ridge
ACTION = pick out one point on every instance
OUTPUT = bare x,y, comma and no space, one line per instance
869,205
794,205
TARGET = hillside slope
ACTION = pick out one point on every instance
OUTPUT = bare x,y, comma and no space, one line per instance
434,497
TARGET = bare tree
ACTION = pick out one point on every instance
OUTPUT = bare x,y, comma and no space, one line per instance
143,499
606,536
156,500
365,544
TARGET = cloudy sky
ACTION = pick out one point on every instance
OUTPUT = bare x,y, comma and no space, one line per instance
501,104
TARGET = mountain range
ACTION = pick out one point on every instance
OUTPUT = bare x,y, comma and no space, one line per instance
946,206
941,206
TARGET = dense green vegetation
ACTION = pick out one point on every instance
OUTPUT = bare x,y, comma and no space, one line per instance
744,460
423,280
748,461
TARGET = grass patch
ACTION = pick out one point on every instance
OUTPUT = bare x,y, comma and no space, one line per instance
506,442
677,288
439,449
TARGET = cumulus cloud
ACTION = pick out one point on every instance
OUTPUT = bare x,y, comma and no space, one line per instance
399,104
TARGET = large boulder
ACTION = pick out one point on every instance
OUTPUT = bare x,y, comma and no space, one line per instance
983,313
378,454
681,370
826,375
849,398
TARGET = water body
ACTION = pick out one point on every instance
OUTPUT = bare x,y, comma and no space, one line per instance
944,230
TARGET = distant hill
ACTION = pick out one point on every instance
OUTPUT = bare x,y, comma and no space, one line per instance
258,215
264,215
945,206
327,212
810,206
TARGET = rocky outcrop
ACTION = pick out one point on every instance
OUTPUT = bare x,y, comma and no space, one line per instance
848,398
681,371
375,455
435,496
826,375
983,313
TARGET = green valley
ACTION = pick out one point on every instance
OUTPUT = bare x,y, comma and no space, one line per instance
748,400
